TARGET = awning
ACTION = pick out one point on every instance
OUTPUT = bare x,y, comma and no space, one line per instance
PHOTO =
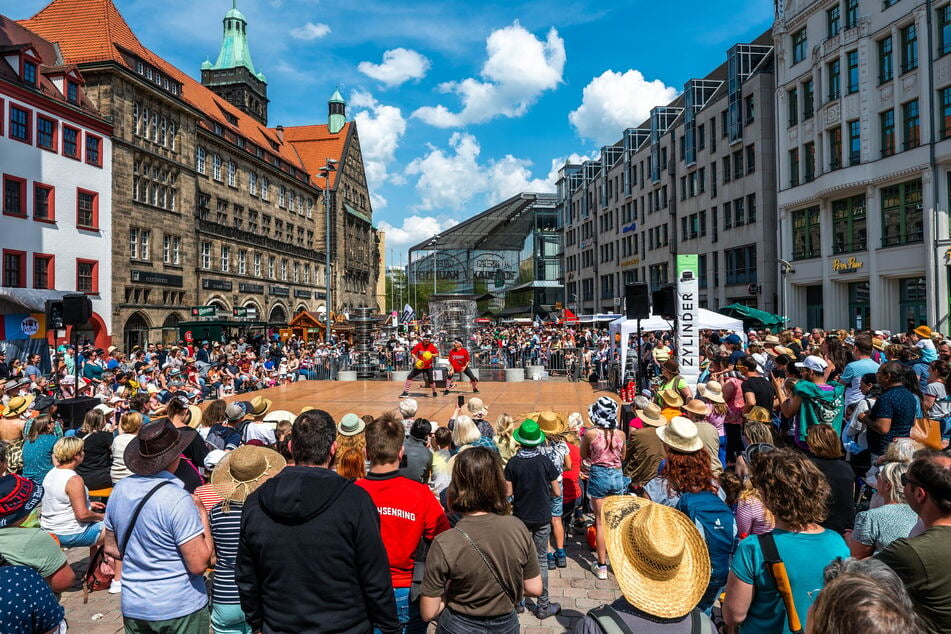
747,313
535,284
29,299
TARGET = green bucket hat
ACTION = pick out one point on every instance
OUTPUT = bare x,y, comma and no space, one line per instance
529,434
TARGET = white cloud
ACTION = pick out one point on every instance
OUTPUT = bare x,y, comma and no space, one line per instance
415,229
614,101
381,127
399,65
519,68
310,31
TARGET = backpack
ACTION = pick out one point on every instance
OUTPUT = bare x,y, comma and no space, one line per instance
215,439
611,622
716,523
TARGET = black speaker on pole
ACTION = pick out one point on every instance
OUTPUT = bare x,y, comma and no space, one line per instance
637,301
77,309
664,300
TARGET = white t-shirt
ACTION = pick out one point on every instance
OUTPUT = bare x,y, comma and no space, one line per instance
57,515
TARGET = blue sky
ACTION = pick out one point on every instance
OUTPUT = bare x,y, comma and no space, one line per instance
459,104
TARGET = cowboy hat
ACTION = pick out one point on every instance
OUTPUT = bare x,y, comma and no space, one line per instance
659,557
18,496
712,391
878,343
350,425
651,415
476,407
551,422
696,406
279,416
244,470
156,446
758,415
771,340
681,434
260,406
603,412
672,397
529,434
194,420
17,405
923,331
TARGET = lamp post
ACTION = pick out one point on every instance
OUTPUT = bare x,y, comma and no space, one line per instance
432,243
329,167
786,269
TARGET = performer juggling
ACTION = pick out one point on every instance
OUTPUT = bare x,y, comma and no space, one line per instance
459,360
425,354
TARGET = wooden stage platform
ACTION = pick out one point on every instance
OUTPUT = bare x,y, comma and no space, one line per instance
376,397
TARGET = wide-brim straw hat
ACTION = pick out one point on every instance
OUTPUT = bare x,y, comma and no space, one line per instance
712,391
476,407
923,331
651,415
278,416
243,470
659,557
551,423
672,397
194,421
17,405
155,446
696,406
681,434
260,406
758,415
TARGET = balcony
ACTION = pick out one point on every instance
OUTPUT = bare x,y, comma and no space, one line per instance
805,254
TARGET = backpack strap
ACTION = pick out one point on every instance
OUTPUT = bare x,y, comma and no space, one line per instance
777,570
609,620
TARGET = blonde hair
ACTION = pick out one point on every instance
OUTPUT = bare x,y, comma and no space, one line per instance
504,425
465,432
901,450
66,449
892,472
130,423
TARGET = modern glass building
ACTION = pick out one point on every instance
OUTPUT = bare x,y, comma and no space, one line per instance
508,257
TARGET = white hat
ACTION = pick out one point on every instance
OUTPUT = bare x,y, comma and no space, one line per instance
681,434
814,363
105,409
213,458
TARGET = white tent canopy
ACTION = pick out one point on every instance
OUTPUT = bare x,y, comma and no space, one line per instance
709,320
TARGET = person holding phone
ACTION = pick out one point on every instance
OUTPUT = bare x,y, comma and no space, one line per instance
459,359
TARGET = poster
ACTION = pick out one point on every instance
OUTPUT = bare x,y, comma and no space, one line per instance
688,315
23,326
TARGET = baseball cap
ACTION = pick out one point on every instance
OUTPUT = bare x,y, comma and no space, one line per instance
733,339
814,363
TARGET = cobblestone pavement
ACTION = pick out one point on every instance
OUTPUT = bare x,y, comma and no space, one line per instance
574,587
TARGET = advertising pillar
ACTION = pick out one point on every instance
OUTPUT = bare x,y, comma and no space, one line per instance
688,315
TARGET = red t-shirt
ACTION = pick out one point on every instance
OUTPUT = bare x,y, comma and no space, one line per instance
570,489
419,349
458,359
408,512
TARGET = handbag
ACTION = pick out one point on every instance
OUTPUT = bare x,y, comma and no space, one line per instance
927,432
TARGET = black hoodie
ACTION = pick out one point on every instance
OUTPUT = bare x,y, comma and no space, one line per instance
311,559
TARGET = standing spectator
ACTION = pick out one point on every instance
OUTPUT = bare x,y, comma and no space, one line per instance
442,476
813,400
878,527
863,364
129,425
603,448
504,427
477,573
555,448
408,408
167,550
697,412
757,390
27,605
419,459
935,401
894,412
409,514
825,451
33,371
645,451
922,561
67,511
4,368
349,584
531,481
184,416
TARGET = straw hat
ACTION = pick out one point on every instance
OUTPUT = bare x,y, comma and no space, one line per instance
305,408
783,350
244,470
771,340
350,425
659,558
923,331
195,420
651,415
17,405
476,407
712,391
551,422
878,343
696,406
672,397
260,406
681,434
758,415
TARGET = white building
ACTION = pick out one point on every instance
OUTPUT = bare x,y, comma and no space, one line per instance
864,151
56,170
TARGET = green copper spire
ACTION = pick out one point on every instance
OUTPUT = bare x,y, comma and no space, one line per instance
337,112
234,47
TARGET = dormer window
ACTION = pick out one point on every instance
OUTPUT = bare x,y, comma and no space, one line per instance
72,92
29,72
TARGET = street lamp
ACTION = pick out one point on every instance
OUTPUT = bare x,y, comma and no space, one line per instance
329,167
787,268
432,243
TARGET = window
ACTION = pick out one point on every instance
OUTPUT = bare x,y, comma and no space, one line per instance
835,148
93,150
14,269
282,196
739,213
200,160
902,217
944,29
833,20
749,109
792,101
43,271
216,167
257,265
20,124
750,209
71,142
14,196
232,174
205,255
808,99
855,142
911,124
793,167
886,68
242,262
145,244
909,48
806,240
726,169
727,215
738,164
134,243
284,269
849,232
851,13
832,70
87,209
887,124
72,92
43,202
252,183
87,276
852,58
225,258
271,260
809,159
295,277
945,111
750,159
46,133
799,46
29,72
741,265
265,186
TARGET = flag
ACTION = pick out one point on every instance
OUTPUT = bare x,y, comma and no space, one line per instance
408,314
569,316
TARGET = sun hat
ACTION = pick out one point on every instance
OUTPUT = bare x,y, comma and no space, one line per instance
672,397
671,366
758,414
111,349
476,407
878,343
105,409
681,435
12,384
923,331
603,412
306,408
17,405
234,412
814,363
550,422
156,446
696,406
529,434
771,340
712,391
651,415
350,425
18,496
659,557
260,406
213,458
244,470
279,416
194,420
783,350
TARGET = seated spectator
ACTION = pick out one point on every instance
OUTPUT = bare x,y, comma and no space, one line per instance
129,426
878,527
39,436
97,437
67,512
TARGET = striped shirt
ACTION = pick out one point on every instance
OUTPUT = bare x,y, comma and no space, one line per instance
225,530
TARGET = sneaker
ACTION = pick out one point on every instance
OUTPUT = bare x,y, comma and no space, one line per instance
435,395
551,610
404,394
475,390
561,560
520,607
600,571
445,392
551,561
115,587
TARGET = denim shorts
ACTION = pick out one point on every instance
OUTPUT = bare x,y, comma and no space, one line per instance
557,506
604,481
88,537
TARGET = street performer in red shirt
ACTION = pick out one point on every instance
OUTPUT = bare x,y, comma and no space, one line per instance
425,354
459,360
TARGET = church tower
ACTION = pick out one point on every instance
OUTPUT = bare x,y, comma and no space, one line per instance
337,112
233,76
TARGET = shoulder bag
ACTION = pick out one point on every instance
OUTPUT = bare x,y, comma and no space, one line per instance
508,593
777,570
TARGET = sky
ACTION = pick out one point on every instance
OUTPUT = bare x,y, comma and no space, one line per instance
459,105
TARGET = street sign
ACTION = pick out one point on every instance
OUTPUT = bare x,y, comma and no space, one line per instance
239,312
204,311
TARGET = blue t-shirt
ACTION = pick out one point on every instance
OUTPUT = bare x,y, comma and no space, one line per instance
27,604
156,585
38,457
898,404
805,556
852,378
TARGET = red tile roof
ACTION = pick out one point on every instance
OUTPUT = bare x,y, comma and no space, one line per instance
315,144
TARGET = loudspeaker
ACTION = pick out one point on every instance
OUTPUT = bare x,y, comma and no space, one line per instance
54,315
664,300
77,309
637,304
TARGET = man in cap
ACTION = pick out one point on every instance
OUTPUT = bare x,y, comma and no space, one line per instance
418,459
161,535
459,360
815,401
224,435
425,354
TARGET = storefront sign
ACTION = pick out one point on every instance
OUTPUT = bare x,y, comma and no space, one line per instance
216,285
846,266
302,294
204,311
631,262
239,312
150,277
257,289
280,291
688,315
